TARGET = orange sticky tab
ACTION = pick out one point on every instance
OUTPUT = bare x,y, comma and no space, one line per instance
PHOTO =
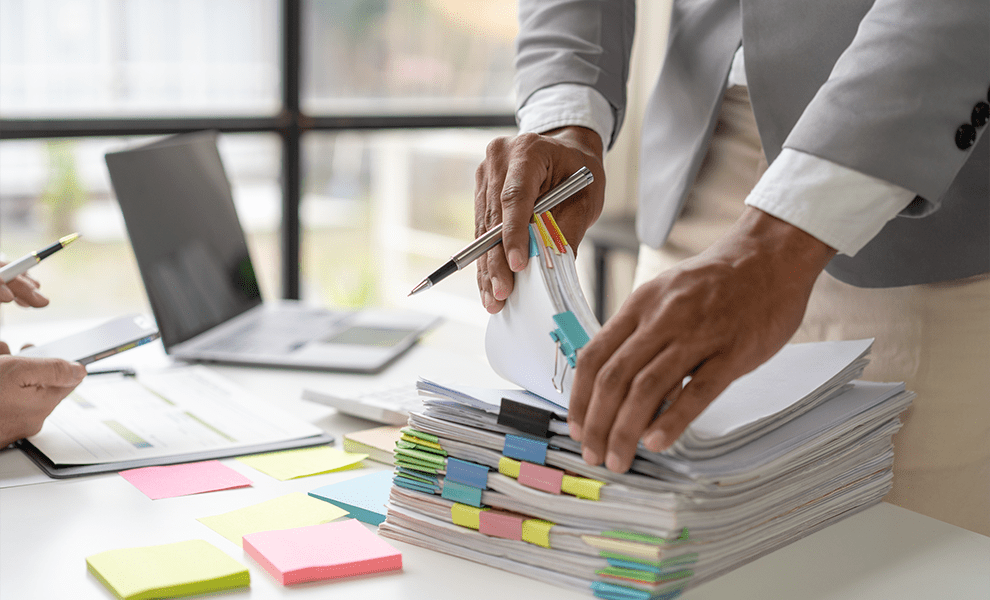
553,224
558,243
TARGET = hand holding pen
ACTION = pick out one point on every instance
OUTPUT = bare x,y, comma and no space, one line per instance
17,286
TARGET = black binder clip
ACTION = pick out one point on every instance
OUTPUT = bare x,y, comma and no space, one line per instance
527,419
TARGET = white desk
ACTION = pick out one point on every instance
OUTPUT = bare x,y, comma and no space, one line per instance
47,529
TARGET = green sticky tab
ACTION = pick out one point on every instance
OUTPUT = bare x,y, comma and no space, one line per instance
424,444
458,492
534,247
684,559
417,466
572,330
635,537
420,435
420,455
644,576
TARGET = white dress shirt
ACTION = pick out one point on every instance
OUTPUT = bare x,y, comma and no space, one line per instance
838,205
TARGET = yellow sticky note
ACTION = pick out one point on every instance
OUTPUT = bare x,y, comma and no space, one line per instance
537,531
290,464
582,487
466,516
284,512
185,568
509,467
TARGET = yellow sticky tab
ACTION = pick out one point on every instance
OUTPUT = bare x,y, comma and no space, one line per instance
582,487
466,516
557,230
421,442
509,467
547,240
537,531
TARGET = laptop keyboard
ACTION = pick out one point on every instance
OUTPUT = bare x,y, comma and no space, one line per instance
276,333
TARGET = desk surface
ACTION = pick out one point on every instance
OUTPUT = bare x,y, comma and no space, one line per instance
47,528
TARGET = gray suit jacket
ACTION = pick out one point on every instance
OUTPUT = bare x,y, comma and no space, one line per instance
895,89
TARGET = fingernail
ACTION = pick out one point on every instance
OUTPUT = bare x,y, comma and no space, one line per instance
498,289
591,457
80,370
653,441
487,299
516,260
614,463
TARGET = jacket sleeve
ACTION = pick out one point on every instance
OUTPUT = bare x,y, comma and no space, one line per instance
585,42
901,93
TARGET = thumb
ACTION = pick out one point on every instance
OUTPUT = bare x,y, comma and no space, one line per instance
54,372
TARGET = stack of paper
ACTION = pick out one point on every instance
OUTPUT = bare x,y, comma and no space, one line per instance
492,476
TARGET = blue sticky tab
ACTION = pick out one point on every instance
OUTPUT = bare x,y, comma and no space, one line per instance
568,324
611,591
458,492
415,486
468,473
521,448
534,249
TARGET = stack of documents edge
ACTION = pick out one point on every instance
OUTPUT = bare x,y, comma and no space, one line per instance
785,451
493,476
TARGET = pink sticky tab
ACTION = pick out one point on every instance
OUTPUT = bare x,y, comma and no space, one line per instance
539,477
328,551
181,480
501,524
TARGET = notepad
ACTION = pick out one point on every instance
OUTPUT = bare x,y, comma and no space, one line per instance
304,462
364,497
183,480
185,568
318,552
377,442
285,512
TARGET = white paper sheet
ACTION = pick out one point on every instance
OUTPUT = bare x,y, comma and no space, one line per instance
164,413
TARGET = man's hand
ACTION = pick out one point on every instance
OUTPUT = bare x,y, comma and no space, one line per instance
714,318
30,389
515,173
22,290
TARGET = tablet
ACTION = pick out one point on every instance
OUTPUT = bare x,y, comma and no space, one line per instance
112,337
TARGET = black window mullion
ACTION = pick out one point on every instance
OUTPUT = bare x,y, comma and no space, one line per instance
291,146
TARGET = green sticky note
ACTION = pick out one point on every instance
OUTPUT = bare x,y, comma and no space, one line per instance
290,464
185,568
284,512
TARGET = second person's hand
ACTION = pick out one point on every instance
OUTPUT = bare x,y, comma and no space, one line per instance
515,173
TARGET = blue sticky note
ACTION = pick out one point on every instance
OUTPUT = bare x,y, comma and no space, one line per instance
458,492
364,497
521,448
468,473
415,486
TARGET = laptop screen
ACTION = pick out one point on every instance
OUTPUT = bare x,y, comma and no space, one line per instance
188,241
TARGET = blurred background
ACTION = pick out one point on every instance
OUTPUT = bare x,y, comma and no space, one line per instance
351,132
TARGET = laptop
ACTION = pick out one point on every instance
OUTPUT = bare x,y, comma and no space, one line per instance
194,261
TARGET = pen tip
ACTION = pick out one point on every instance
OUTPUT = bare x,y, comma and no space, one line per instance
65,241
423,285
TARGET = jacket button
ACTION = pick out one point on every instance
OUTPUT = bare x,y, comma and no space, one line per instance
965,136
981,112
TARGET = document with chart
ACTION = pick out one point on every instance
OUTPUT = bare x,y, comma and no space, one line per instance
169,416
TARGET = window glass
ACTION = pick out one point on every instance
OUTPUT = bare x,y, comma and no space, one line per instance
49,188
415,56
112,58
382,210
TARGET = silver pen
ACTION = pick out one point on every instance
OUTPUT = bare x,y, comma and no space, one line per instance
22,264
581,179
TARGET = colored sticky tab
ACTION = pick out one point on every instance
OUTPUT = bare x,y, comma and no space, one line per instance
421,442
534,451
421,456
364,497
285,512
582,487
611,591
187,568
418,476
468,473
534,247
319,552
466,516
540,477
415,486
501,524
571,328
537,531
416,466
556,229
181,480
424,436
290,464
525,418
554,232
508,467
458,492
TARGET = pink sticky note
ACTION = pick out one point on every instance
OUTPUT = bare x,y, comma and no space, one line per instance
181,480
501,524
327,551
539,477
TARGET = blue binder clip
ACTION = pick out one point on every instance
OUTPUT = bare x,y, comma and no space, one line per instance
569,335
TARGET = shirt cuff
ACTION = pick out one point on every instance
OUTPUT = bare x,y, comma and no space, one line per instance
567,104
839,206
